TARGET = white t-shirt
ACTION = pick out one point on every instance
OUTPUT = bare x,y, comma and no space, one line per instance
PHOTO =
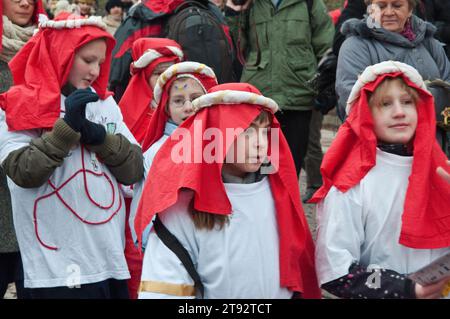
85,253
239,261
363,225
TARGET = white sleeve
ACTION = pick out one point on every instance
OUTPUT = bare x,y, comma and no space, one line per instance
11,141
138,188
163,274
340,233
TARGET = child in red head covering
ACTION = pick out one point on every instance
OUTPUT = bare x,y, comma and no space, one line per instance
151,57
176,86
383,204
174,92
65,149
243,231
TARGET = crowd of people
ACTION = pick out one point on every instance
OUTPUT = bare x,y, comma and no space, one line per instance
134,165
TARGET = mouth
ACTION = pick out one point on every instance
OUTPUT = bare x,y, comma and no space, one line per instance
399,126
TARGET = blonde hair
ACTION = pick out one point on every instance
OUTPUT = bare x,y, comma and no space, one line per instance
375,97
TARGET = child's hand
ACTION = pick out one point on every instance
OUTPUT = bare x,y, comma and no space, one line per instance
441,171
433,291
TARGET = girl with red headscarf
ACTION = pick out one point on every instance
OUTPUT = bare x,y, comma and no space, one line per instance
65,149
174,92
151,57
242,225
382,204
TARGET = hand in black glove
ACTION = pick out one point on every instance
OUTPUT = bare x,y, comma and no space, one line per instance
76,107
92,133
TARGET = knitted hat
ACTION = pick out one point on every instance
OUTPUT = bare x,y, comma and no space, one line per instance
113,3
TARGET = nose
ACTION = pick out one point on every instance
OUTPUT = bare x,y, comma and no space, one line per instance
388,10
262,141
95,70
24,3
398,110
188,106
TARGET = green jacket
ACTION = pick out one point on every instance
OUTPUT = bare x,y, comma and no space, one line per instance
289,48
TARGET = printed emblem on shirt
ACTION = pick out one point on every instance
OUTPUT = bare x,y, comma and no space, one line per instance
111,128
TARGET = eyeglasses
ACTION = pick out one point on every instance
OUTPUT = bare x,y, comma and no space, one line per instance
30,2
179,102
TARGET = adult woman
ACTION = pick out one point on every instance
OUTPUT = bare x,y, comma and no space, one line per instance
391,32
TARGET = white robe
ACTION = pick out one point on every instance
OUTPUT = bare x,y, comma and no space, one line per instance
363,225
239,261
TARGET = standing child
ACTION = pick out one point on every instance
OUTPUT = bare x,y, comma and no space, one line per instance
382,204
175,90
244,233
151,56
65,149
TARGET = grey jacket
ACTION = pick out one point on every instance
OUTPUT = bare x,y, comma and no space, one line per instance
365,46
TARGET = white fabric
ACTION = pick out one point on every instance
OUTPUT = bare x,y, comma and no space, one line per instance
149,155
150,55
232,98
364,224
96,251
373,71
95,21
182,67
239,261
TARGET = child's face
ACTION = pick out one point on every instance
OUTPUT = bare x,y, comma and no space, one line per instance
160,68
182,93
248,151
394,115
86,65
85,7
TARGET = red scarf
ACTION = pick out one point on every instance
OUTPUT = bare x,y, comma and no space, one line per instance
135,102
155,129
426,214
166,179
38,9
40,69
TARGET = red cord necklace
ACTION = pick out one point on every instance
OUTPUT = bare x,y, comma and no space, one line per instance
56,192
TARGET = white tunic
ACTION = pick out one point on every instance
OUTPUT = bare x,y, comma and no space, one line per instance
364,224
239,261
85,253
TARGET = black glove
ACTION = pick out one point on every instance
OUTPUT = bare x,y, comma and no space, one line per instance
76,107
92,133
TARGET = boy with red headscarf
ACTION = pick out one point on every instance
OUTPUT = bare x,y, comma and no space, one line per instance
244,232
383,204
65,149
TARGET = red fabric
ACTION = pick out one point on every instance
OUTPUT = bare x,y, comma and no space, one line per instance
38,9
133,257
148,31
335,14
297,271
40,69
163,6
426,215
159,118
135,102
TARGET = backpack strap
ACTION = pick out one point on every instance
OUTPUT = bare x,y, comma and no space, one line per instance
177,248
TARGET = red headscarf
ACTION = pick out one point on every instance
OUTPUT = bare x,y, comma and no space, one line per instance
234,105
426,214
147,53
38,9
40,69
204,74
